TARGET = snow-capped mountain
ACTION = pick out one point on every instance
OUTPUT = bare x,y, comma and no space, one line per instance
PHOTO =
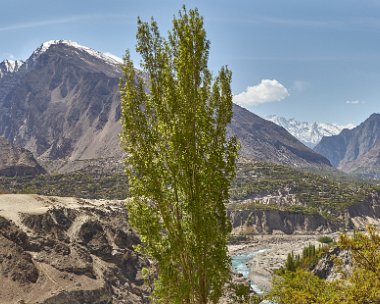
309,133
73,90
106,57
9,66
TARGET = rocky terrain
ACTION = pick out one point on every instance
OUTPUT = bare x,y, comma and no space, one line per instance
8,67
251,220
63,105
65,250
356,150
267,253
265,141
16,161
269,198
328,269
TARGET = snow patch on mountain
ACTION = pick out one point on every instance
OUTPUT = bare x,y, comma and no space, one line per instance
106,57
10,66
309,133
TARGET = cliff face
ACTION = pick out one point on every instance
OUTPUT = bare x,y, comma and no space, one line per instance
260,221
256,221
328,269
356,150
66,250
16,161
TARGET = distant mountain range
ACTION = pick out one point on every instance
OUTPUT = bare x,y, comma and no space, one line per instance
308,133
265,141
356,150
63,105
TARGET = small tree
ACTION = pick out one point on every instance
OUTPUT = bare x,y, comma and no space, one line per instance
179,161
325,239
290,264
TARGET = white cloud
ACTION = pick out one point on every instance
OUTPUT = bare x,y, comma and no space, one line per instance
266,91
354,102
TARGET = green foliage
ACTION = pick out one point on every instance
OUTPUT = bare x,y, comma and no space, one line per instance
241,293
302,287
309,252
179,162
361,285
308,260
324,193
325,239
364,281
79,184
291,262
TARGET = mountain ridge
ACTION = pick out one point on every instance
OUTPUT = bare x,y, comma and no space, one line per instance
63,104
308,133
8,66
356,150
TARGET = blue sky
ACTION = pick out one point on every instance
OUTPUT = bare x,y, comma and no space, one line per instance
313,60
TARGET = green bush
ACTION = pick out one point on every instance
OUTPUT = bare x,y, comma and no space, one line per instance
325,239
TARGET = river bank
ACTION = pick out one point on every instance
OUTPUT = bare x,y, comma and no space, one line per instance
258,259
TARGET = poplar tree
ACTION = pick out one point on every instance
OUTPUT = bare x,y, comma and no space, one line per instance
179,161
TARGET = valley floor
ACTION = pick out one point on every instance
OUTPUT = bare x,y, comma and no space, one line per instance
269,252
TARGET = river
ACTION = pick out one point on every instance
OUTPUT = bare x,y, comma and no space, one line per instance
240,265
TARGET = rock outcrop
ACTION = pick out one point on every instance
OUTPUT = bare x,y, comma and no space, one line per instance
327,267
16,161
66,250
256,221
253,220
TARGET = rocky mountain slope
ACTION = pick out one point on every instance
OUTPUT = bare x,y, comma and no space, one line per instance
65,250
356,150
63,105
265,141
16,161
308,133
9,66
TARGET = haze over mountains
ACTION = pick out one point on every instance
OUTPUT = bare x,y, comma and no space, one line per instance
63,105
308,133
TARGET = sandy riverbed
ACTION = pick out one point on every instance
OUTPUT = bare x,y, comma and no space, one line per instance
276,247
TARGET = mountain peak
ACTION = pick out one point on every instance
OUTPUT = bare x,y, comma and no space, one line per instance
374,116
10,66
44,47
309,133
356,150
